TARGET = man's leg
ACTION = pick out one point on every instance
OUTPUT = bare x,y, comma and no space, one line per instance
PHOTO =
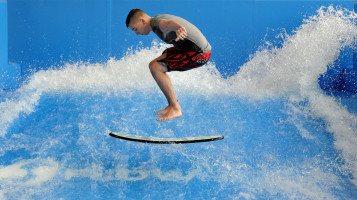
173,110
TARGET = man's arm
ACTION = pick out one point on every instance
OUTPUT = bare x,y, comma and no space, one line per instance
172,25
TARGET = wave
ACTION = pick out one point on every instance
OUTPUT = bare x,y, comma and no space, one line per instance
290,72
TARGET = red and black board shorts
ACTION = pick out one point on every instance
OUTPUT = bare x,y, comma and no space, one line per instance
181,61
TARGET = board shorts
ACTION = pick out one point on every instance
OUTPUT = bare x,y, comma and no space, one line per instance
182,61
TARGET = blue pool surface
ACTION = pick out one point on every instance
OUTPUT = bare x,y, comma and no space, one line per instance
285,137
289,155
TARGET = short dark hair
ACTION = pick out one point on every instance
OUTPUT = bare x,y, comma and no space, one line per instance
131,14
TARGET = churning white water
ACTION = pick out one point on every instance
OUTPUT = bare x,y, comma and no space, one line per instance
290,72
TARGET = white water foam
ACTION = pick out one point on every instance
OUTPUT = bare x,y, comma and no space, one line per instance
26,173
294,69
287,72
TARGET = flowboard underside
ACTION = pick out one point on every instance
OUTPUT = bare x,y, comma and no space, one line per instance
160,140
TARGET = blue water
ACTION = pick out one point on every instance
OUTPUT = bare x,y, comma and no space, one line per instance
285,138
264,154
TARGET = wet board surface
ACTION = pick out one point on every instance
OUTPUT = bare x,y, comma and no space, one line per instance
160,140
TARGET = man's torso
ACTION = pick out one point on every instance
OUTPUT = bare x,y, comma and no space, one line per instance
194,42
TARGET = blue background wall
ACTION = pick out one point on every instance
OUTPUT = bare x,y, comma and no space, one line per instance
45,33
9,73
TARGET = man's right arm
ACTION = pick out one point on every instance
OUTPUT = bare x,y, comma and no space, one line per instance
172,25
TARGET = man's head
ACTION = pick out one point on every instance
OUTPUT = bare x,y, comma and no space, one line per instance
139,22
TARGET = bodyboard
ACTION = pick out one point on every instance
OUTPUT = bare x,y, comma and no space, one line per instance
159,140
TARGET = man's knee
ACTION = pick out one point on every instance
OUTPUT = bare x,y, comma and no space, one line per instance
152,65
155,66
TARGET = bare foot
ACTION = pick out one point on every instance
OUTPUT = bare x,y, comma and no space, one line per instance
170,114
162,112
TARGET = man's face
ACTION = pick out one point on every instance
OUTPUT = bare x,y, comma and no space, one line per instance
139,27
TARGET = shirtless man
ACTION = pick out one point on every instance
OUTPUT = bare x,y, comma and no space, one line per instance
190,50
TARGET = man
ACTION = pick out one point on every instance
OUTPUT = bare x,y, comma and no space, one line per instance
190,50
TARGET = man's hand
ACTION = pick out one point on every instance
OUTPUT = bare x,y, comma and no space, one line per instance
181,34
